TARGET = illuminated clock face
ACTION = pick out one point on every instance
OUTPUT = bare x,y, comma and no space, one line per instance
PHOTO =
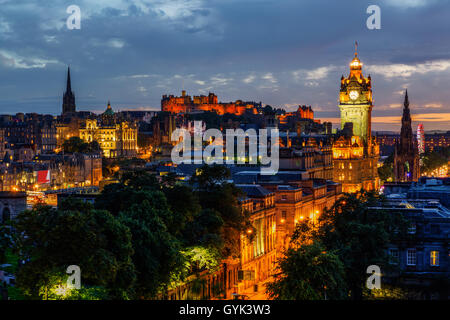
354,95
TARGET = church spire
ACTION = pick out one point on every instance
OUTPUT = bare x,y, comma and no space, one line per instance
68,97
69,84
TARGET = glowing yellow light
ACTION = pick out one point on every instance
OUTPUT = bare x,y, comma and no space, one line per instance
62,290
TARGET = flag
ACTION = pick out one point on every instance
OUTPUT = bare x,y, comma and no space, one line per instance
43,176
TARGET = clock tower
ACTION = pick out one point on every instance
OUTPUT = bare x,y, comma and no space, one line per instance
355,100
355,153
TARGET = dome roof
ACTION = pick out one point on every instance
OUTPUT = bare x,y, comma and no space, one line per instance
109,111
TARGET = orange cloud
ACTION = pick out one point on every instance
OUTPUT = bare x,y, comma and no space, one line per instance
420,117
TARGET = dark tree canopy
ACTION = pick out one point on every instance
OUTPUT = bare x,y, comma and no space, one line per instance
144,235
75,144
74,234
309,273
353,232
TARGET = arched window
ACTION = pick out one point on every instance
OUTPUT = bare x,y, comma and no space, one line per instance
6,215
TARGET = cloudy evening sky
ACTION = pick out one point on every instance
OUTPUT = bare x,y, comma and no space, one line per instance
280,52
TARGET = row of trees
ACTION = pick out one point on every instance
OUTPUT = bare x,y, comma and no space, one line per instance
435,159
141,237
329,260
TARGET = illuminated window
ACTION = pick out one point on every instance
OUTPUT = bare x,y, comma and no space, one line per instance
434,258
411,257
412,228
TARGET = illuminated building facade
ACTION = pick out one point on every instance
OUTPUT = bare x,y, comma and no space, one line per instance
387,138
303,112
64,171
116,138
66,129
355,101
258,257
296,202
406,154
186,104
437,140
356,153
32,129
309,154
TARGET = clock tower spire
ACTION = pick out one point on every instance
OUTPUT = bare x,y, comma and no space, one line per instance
355,100
355,152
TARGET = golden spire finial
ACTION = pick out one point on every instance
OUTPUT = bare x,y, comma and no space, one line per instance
356,48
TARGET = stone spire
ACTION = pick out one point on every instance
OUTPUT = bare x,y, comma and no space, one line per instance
406,136
69,84
406,156
68,97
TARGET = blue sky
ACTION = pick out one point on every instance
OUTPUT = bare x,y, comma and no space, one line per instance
280,52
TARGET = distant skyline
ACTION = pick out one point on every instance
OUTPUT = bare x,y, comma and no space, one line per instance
280,52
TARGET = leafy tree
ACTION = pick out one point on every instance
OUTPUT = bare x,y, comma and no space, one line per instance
207,176
386,171
185,209
74,234
201,258
309,272
167,218
132,189
206,230
75,144
215,193
5,242
435,159
357,235
157,254
157,216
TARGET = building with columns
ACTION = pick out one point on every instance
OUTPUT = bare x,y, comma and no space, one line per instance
116,137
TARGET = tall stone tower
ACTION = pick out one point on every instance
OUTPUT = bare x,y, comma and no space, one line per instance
355,100
406,154
355,152
68,97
